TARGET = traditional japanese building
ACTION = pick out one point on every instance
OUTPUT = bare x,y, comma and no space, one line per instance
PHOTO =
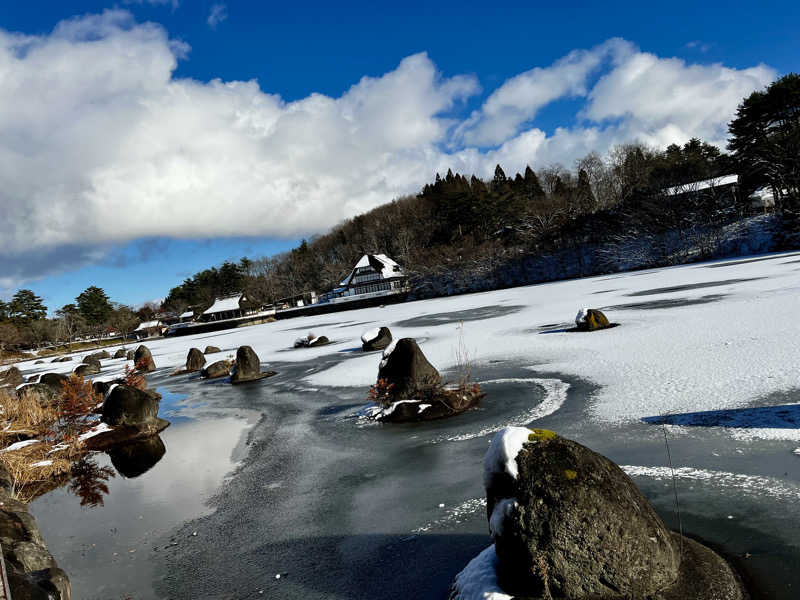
228,307
374,275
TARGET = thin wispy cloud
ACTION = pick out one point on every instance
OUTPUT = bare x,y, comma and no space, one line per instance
173,3
698,45
218,13
102,144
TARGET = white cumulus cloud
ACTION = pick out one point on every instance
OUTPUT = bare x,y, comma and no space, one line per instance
100,143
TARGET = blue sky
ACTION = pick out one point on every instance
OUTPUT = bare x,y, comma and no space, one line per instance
141,169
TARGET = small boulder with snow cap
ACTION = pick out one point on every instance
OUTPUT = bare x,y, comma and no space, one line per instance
311,341
591,319
569,523
195,360
376,339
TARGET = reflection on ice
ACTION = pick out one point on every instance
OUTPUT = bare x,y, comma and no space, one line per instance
136,458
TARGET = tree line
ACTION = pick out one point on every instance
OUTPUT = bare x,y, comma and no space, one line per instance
24,322
460,227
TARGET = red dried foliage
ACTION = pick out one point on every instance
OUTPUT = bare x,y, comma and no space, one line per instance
134,377
381,392
76,406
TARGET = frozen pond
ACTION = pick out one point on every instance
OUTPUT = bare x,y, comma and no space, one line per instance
283,477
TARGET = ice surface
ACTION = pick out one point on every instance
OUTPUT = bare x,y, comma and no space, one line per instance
728,353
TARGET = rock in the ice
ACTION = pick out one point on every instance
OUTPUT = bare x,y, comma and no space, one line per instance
591,319
143,359
82,370
195,360
221,368
405,368
211,350
130,355
247,366
376,339
121,353
569,523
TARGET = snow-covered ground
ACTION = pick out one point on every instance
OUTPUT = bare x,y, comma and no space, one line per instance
693,338
710,348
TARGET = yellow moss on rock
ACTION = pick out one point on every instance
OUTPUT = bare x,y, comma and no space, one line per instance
540,435
570,474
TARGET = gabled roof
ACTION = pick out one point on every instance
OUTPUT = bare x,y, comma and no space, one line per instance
188,313
380,262
147,325
705,184
225,303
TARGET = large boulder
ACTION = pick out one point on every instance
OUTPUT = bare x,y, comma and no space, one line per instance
406,372
54,380
84,370
137,457
591,319
129,406
569,523
247,366
121,353
221,368
376,339
11,377
102,355
143,360
92,360
211,350
195,360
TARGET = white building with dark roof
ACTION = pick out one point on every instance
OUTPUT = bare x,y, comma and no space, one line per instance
228,307
374,275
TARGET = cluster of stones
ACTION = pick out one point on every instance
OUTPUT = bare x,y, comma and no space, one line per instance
409,388
569,523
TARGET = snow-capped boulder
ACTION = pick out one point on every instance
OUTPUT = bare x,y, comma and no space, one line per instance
11,377
143,359
220,368
211,350
247,366
54,380
376,339
405,368
569,523
311,341
591,319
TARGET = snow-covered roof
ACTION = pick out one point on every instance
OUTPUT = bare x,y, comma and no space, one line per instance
380,262
186,314
224,304
705,184
147,325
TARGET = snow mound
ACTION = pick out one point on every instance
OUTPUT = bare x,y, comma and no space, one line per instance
501,457
581,317
20,445
478,580
370,335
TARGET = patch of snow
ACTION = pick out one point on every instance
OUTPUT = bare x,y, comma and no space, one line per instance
423,407
478,580
42,463
502,510
387,353
581,317
58,448
96,430
754,485
501,457
20,445
370,335
455,515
